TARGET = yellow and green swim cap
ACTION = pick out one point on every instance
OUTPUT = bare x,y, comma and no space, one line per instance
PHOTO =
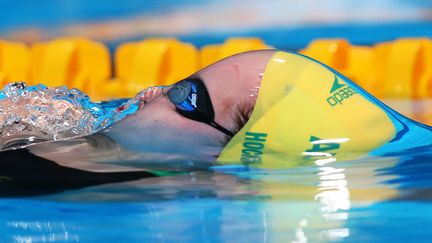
305,109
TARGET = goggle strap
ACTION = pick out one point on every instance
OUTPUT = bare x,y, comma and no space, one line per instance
221,128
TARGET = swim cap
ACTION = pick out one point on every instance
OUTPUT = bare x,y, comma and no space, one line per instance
305,109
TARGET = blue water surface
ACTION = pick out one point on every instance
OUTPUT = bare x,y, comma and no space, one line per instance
373,200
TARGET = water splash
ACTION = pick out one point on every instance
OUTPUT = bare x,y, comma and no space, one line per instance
30,114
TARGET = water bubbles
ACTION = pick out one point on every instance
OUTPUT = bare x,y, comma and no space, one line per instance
14,90
54,113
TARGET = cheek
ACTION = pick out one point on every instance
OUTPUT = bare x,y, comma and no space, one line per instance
192,132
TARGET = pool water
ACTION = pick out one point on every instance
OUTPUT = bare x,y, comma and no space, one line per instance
373,199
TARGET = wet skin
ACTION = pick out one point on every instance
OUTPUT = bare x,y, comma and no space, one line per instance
157,136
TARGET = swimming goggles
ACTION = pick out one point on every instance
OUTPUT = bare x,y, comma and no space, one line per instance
192,101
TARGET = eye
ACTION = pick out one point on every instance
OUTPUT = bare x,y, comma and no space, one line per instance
180,92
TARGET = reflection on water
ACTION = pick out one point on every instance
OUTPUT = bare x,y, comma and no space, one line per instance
333,195
333,201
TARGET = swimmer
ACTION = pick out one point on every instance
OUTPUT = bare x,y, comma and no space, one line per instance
268,109
160,133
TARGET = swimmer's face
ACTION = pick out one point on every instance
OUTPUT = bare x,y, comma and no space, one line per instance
159,128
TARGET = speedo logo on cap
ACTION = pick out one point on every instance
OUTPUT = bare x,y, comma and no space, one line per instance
340,92
253,147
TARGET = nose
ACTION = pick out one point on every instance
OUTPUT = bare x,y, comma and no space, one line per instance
151,94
